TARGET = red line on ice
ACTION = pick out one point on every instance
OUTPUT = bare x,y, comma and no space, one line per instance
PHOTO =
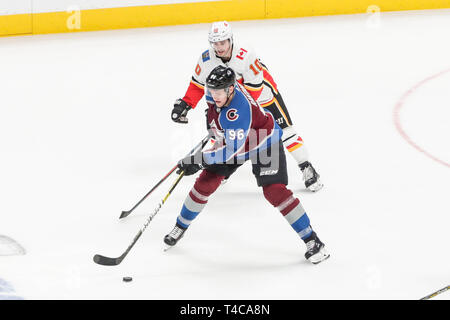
397,122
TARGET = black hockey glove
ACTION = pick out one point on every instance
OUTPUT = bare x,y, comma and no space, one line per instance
191,164
179,111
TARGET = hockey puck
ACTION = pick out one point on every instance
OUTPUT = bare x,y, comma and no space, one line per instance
127,279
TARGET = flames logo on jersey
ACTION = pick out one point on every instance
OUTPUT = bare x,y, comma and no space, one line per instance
232,115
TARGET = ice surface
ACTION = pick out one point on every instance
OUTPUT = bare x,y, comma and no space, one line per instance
10,247
85,132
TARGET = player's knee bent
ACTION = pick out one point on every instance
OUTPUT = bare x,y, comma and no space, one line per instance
208,182
276,193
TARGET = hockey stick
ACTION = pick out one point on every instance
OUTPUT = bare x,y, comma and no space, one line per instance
126,213
107,261
434,294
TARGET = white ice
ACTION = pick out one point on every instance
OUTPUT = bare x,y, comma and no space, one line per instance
85,132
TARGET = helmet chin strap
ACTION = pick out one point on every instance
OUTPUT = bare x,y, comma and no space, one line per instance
230,51
227,90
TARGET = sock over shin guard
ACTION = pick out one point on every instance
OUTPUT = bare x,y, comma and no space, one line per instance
204,186
295,145
290,207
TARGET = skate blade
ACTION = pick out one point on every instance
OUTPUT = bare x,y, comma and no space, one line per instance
167,247
320,256
315,186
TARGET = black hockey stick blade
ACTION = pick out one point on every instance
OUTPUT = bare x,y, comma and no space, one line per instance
106,261
124,214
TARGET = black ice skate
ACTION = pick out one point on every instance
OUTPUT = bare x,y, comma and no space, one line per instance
174,236
316,252
310,177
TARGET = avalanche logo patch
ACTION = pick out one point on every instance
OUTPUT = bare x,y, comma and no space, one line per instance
205,56
232,115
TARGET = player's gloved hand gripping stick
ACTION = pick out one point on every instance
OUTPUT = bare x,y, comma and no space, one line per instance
191,164
201,144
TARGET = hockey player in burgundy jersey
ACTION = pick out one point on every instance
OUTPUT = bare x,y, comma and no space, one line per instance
242,131
256,79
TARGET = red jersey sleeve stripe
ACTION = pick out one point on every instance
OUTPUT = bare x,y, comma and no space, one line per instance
193,94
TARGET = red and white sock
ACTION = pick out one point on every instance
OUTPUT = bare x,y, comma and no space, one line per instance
294,145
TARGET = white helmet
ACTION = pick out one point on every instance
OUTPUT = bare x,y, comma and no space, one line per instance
220,31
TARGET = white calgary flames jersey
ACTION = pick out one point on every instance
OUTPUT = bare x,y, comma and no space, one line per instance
248,68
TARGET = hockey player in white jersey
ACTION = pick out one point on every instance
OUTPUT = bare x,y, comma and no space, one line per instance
256,79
